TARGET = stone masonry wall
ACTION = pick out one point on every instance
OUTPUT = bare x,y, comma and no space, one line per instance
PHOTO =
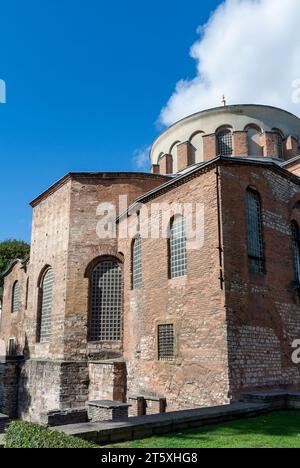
9,372
263,311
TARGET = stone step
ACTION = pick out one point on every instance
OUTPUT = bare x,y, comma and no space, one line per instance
107,432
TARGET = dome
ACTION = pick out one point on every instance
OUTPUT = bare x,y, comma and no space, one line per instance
255,130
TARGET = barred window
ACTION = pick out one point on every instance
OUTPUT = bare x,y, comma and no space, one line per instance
15,298
12,347
166,346
279,141
255,232
177,247
137,277
296,250
224,140
46,302
106,302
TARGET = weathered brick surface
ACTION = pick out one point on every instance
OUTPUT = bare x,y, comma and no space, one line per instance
227,341
269,143
12,325
198,376
184,155
209,147
263,311
240,143
166,164
291,148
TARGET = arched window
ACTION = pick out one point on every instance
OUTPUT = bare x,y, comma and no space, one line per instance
106,301
45,306
279,142
255,232
137,276
224,142
15,307
177,247
254,141
296,250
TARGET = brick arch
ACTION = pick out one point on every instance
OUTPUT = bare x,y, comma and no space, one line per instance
119,257
253,126
42,274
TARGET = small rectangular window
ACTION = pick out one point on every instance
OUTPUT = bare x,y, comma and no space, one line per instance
11,347
166,345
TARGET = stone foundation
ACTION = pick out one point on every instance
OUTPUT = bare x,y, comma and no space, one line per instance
9,378
47,386
107,410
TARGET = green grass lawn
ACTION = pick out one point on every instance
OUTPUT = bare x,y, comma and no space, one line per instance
275,430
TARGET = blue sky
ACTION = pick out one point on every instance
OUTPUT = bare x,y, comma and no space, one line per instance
86,81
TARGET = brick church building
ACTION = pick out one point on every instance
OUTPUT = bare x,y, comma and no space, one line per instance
87,318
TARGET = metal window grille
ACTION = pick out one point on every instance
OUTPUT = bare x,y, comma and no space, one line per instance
280,146
166,347
106,302
16,298
137,277
12,347
46,306
178,251
225,147
255,233
296,251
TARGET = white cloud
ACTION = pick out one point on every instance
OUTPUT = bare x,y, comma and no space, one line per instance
250,51
141,159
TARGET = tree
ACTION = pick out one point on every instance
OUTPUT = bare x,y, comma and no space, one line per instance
10,250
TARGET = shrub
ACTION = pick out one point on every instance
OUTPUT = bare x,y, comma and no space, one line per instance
21,434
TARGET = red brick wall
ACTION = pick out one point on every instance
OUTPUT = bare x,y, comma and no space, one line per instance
183,155
291,148
195,304
12,325
166,164
209,147
269,144
263,311
240,144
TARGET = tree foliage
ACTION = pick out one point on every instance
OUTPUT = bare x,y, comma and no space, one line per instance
10,250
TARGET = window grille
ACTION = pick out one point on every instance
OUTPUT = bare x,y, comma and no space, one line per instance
137,277
280,145
12,348
46,306
225,147
166,347
106,302
16,298
255,233
178,250
296,251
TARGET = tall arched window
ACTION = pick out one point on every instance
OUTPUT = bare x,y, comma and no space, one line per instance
296,250
106,301
177,247
224,142
137,276
45,306
15,304
255,232
279,142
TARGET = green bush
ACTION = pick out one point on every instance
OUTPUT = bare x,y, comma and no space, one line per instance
27,435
